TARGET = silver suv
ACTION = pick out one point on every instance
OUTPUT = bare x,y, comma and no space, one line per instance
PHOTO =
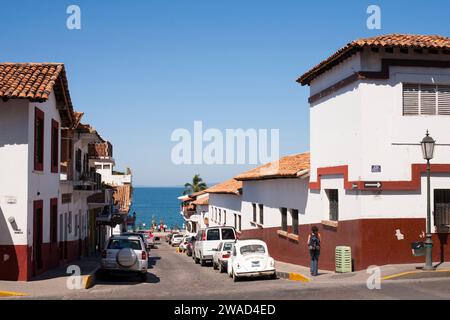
125,254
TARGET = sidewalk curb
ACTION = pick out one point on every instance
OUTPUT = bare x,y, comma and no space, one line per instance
12,294
397,275
292,276
89,280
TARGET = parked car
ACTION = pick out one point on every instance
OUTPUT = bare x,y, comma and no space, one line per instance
176,239
141,235
184,242
250,258
171,238
125,254
209,239
221,255
150,238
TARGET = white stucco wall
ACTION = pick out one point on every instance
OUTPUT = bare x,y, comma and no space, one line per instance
228,204
42,185
274,195
14,202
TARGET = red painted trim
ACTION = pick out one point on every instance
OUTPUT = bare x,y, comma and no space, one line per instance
38,116
413,184
54,156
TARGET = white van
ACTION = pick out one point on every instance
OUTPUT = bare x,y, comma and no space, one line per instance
208,239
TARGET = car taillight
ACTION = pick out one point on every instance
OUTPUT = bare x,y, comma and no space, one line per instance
204,236
144,255
226,256
104,254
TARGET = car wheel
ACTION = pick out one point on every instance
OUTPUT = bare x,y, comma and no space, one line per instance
273,276
221,268
202,262
197,260
235,279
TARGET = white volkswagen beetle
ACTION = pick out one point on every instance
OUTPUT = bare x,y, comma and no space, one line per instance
250,258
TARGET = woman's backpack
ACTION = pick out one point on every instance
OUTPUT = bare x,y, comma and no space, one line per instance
314,242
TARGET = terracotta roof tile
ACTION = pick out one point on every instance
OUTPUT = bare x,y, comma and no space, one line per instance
231,186
285,167
196,194
35,82
204,201
390,40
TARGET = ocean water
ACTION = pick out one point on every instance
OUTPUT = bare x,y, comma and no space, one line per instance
158,204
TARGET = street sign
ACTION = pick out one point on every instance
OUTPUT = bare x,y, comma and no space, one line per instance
372,185
376,168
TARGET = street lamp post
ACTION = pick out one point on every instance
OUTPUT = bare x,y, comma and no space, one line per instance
428,151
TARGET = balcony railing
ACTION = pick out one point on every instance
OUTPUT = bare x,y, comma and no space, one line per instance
88,181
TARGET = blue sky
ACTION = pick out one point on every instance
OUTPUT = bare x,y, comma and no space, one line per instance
140,69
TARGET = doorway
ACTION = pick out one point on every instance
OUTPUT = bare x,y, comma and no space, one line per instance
37,235
442,210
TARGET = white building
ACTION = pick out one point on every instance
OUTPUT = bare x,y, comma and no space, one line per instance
224,202
35,105
274,200
371,104
103,161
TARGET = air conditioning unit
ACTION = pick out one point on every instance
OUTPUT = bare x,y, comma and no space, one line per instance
343,259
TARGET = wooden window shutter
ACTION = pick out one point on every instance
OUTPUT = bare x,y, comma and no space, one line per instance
428,97
444,100
410,99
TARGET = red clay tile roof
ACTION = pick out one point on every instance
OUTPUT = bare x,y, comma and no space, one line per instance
231,186
35,82
198,193
390,40
202,201
285,167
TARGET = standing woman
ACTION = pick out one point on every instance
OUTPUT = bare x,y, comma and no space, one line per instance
314,249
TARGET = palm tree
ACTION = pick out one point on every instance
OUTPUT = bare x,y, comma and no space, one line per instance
196,185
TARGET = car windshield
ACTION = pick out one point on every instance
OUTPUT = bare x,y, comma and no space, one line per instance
124,243
227,246
228,234
252,248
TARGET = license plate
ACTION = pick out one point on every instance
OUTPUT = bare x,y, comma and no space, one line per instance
255,263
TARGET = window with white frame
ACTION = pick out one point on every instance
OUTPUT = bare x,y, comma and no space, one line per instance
426,99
